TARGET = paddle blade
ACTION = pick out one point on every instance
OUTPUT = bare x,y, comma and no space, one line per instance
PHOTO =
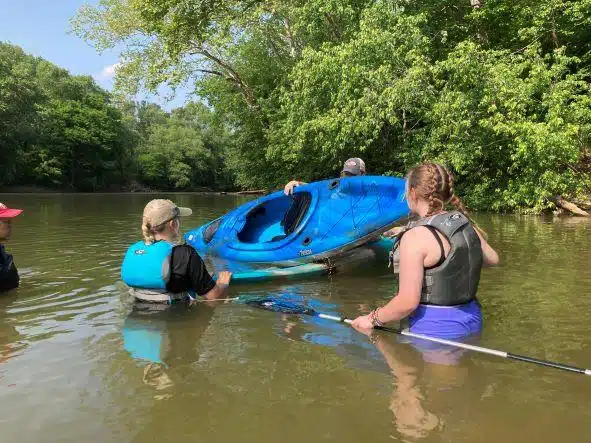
275,304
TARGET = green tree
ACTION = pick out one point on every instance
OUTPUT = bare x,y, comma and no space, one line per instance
85,139
498,89
173,155
57,129
19,92
510,125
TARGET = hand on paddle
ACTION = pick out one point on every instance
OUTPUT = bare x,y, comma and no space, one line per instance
363,324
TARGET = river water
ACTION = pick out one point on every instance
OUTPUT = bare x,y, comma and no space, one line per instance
77,365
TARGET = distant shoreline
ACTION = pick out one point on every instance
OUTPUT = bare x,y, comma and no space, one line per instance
564,208
123,190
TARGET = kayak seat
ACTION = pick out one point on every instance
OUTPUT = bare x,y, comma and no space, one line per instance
262,223
274,220
295,214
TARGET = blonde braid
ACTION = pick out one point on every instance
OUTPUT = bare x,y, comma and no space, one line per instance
147,233
433,195
446,182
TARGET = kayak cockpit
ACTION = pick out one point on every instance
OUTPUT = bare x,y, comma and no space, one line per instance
275,219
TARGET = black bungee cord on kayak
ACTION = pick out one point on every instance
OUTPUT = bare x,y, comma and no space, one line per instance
283,306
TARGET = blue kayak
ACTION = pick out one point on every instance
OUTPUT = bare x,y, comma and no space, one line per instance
320,220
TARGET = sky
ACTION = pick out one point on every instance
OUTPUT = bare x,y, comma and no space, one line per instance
41,28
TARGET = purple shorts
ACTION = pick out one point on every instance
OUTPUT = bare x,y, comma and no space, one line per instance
447,322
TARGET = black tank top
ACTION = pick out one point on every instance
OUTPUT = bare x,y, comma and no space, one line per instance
9,278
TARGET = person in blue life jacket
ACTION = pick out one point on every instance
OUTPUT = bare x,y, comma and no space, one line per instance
441,256
9,278
353,167
159,269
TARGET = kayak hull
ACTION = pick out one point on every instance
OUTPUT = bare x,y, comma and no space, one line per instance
375,252
321,220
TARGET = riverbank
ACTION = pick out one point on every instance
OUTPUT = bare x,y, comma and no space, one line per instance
32,189
577,207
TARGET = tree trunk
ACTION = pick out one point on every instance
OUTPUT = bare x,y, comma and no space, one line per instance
585,204
555,39
333,26
293,47
253,192
229,73
570,207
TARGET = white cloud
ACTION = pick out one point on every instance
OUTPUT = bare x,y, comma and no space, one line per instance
109,71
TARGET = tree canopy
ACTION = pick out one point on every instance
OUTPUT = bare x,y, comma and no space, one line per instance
64,131
496,89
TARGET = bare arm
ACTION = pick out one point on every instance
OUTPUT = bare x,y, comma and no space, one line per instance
291,185
412,257
221,286
491,258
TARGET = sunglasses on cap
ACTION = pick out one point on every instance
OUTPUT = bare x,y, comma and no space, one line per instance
176,213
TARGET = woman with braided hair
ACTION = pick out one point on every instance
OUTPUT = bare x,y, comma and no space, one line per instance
441,256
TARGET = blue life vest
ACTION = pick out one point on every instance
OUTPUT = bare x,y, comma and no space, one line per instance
147,266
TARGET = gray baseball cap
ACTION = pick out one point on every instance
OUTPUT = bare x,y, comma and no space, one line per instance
160,211
354,166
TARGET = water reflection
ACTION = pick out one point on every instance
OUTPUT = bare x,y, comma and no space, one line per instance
427,377
10,339
411,418
158,336
429,384
345,341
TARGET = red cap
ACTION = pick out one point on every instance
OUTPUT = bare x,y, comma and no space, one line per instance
6,212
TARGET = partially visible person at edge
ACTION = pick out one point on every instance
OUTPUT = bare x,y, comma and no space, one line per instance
441,257
351,168
159,269
9,278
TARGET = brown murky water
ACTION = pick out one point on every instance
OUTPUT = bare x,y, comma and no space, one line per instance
77,366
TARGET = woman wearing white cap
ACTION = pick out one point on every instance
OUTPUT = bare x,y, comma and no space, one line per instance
353,167
160,270
9,278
